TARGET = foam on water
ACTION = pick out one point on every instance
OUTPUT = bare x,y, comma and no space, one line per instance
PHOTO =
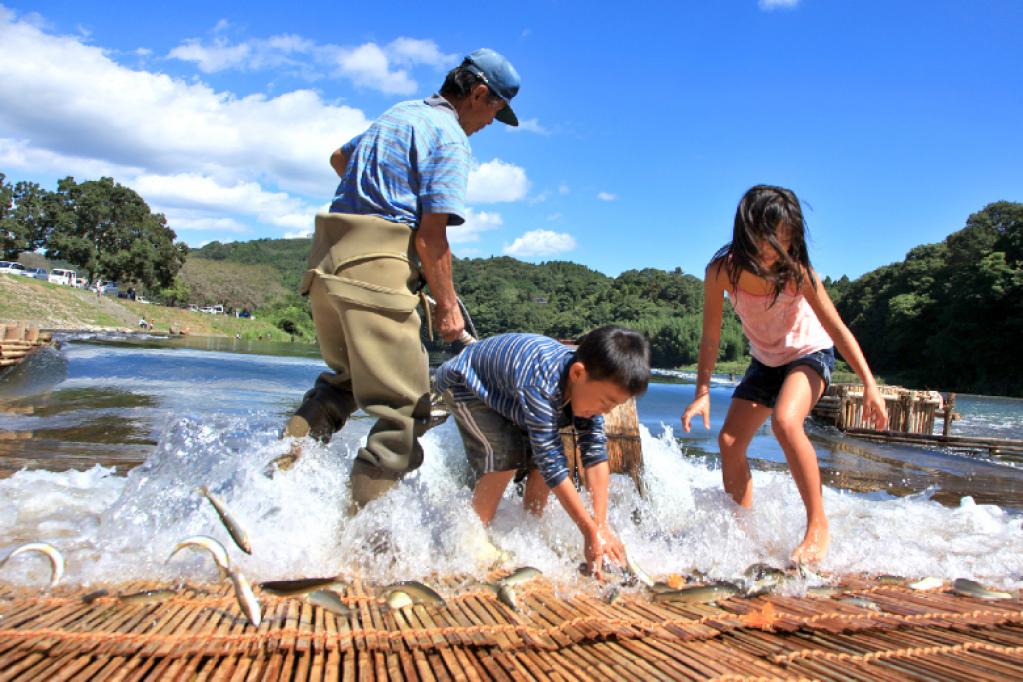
114,528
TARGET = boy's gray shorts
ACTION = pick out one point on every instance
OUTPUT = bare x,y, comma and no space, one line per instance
492,442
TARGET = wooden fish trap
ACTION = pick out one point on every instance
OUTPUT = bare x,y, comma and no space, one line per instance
199,634
17,340
624,447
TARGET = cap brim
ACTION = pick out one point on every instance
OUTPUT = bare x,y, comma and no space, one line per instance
507,116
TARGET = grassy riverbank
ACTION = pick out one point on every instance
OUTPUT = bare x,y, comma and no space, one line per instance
52,306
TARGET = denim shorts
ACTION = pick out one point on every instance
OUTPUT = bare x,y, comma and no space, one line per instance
762,384
492,442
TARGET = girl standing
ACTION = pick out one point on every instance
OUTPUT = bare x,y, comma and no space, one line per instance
793,328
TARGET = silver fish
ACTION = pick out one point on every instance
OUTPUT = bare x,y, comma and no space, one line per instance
291,588
147,596
861,602
397,599
51,552
641,575
215,549
661,587
926,584
506,595
521,575
328,600
971,588
237,533
246,599
761,579
417,591
888,579
700,594
823,591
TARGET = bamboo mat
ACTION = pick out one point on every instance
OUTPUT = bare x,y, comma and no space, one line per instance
200,634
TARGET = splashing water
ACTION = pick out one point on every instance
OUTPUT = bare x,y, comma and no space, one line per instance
114,528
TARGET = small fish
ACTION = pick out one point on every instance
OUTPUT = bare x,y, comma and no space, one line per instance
93,596
925,584
861,602
761,579
612,595
521,575
215,549
329,600
506,595
51,552
420,593
971,588
641,575
290,588
246,599
699,594
237,533
282,462
661,587
823,591
397,599
888,579
147,596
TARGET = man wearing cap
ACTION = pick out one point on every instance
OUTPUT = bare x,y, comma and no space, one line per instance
403,181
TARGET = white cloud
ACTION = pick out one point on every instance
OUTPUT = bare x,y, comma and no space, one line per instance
367,66
411,51
540,243
554,216
606,196
529,125
476,222
495,181
212,58
563,189
769,5
181,221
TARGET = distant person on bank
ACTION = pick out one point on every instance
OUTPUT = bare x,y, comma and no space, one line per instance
793,328
403,181
511,395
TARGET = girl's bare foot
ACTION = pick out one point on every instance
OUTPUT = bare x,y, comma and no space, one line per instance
814,546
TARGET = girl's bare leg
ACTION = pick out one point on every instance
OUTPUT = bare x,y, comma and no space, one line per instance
800,392
741,424
534,499
487,494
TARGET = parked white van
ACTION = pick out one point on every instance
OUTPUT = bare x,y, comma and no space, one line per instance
12,268
66,277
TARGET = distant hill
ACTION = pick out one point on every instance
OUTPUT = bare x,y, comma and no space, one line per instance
286,256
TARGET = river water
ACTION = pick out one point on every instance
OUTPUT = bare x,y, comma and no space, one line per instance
75,425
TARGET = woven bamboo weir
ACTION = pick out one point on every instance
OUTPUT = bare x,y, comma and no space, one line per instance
17,340
911,419
199,633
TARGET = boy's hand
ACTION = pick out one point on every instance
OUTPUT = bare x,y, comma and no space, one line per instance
874,411
701,406
600,544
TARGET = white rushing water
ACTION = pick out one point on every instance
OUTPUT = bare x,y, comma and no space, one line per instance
113,528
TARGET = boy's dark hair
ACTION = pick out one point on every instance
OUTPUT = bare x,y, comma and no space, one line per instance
617,354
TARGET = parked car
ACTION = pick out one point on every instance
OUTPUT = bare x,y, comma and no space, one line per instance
213,309
109,289
68,278
11,268
38,273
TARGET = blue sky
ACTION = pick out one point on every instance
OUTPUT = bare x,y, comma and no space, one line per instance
643,123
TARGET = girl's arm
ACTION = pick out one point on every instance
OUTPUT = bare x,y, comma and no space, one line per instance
817,296
714,283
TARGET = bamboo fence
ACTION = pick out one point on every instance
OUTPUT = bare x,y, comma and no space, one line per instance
18,340
624,449
199,634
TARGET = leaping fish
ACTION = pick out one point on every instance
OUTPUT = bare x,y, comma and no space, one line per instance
246,599
51,552
237,533
215,549
520,575
417,591
291,588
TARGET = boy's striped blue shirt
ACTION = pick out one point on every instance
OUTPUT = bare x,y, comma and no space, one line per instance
519,376
411,161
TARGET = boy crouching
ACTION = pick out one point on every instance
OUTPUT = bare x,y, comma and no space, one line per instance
511,394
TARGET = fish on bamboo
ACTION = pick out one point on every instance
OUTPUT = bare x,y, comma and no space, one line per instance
700,594
823,591
417,591
888,579
302,586
236,532
640,575
93,596
51,552
215,549
246,599
760,578
861,602
398,599
971,588
520,575
506,595
928,583
329,600
147,596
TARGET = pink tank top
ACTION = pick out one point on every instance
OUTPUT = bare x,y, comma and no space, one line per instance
779,333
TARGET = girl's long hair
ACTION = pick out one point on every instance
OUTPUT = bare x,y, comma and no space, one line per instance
761,212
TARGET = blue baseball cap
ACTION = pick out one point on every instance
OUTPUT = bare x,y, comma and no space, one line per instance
500,76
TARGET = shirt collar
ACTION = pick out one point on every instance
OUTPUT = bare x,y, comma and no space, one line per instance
441,103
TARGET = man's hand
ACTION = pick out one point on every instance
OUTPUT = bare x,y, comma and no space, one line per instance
599,544
448,321
699,406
